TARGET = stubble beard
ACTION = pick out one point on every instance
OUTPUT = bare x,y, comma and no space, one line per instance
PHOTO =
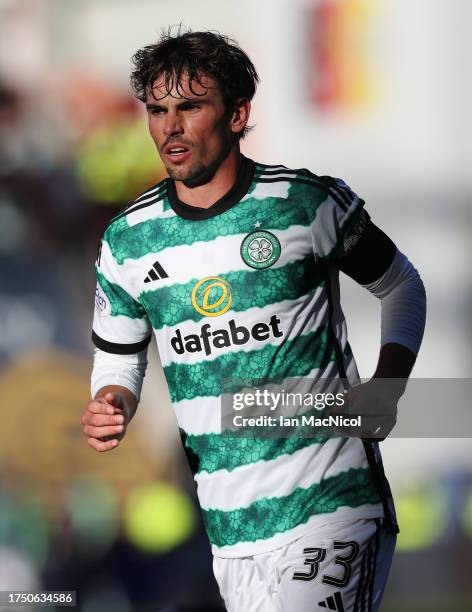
199,173
189,176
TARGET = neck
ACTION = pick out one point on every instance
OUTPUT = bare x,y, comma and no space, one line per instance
220,183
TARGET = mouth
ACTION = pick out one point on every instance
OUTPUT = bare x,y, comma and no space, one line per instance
176,153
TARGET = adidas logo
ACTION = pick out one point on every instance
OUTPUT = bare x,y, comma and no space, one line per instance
155,273
333,602
99,253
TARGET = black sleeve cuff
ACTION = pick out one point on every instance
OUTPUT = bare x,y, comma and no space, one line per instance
120,349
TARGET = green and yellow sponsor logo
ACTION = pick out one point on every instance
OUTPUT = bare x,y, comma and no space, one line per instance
212,296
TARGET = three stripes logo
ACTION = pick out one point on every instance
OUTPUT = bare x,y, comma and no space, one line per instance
157,272
99,253
333,602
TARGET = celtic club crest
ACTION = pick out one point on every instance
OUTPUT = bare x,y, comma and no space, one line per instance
260,249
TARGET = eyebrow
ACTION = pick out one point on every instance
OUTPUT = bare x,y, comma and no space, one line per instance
194,100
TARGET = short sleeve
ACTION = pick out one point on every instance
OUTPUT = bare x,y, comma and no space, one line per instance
120,323
338,221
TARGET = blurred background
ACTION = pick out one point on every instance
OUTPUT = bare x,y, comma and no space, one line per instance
377,92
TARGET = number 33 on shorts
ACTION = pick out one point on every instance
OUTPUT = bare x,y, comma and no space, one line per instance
344,574
342,566
317,555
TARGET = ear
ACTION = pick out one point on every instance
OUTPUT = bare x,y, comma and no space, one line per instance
240,115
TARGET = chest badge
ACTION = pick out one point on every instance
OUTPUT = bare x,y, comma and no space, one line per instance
260,249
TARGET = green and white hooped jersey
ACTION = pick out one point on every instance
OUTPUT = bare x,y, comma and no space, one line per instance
242,290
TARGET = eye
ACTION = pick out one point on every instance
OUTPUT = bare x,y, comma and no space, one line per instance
190,106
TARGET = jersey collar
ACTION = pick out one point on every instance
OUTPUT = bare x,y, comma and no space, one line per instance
230,199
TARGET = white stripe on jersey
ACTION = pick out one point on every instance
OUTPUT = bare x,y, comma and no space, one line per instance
199,415
288,176
176,260
130,330
268,190
153,211
324,230
160,186
315,522
314,463
315,313
136,204
275,167
112,271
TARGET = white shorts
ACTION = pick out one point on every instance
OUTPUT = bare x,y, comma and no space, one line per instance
341,566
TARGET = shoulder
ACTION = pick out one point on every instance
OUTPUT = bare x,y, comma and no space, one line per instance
321,187
151,198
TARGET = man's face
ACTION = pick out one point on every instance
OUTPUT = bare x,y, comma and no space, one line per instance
191,129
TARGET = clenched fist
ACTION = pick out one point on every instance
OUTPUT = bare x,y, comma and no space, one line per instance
104,421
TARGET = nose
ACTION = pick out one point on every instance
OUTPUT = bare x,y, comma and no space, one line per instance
172,124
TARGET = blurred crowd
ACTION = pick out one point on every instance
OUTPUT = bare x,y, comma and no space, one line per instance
74,151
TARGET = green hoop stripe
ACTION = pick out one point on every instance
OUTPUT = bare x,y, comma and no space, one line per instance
295,357
270,516
121,303
152,236
172,305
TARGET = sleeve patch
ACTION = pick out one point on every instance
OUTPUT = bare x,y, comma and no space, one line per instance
102,305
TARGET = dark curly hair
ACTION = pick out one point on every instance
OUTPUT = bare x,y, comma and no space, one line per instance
195,54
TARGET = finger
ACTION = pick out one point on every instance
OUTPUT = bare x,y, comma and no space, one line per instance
102,420
102,446
100,406
100,432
